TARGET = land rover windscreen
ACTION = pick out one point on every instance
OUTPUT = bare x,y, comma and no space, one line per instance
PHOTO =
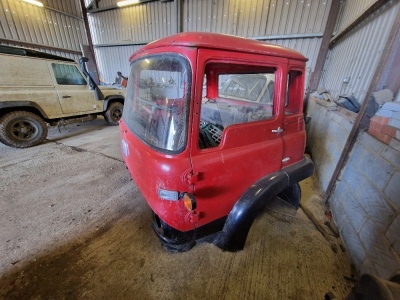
157,102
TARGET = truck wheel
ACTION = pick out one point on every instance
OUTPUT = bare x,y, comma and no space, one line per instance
22,129
292,195
114,113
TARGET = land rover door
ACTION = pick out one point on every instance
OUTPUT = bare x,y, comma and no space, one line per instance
74,94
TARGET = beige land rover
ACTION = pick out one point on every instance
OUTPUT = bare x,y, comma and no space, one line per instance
39,89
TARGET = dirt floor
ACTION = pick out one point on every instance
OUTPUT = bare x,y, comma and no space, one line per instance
73,225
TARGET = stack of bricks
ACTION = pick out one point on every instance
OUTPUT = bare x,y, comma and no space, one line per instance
385,125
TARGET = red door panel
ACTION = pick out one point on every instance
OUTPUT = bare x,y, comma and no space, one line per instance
247,151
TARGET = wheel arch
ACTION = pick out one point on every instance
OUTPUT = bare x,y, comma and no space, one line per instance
111,99
10,106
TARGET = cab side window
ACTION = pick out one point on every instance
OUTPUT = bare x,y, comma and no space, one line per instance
294,92
247,87
67,75
232,95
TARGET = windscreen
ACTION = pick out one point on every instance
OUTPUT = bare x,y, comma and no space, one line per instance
156,104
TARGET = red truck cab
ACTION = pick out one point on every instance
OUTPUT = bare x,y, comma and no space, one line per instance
213,129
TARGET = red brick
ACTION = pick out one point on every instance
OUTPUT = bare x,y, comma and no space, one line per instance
380,120
389,130
376,126
380,136
373,131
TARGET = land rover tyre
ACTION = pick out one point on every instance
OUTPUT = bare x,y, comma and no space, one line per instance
22,129
114,113
292,195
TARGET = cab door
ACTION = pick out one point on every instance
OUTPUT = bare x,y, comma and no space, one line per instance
248,133
74,95
294,134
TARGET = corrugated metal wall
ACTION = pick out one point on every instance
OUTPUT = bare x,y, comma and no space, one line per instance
111,60
117,33
140,23
309,47
56,28
103,3
257,17
350,10
296,24
356,55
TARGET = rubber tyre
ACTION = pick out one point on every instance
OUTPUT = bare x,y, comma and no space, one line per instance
114,113
292,195
22,129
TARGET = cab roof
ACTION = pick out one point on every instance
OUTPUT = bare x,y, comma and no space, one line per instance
222,42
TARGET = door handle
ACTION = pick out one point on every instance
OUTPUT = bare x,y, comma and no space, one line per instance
278,130
66,96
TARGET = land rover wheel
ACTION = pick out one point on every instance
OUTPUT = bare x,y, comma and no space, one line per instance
292,195
22,129
114,113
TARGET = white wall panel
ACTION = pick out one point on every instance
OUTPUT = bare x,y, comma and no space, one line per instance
256,17
67,6
37,27
153,20
145,22
358,53
111,60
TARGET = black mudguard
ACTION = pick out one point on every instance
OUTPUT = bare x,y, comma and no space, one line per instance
234,234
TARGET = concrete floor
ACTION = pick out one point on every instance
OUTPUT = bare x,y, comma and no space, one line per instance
73,225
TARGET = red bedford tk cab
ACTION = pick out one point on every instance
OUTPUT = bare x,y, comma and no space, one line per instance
213,129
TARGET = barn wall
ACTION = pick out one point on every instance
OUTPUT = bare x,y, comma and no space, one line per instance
56,28
295,24
365,196
357,55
